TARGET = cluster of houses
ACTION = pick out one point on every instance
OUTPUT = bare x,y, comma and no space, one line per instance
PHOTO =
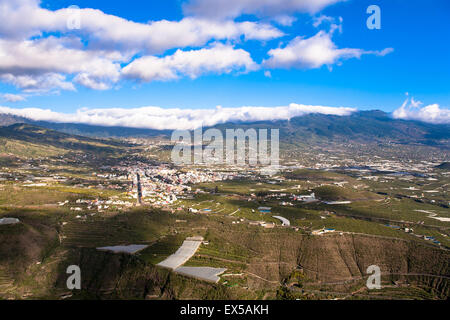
322,231
305,198
163,186
98,204
264,224
411,231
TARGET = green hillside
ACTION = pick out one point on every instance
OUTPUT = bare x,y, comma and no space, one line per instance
24,140
27,149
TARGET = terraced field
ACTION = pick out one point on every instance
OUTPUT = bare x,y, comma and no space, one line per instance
6,284
123,229
281,262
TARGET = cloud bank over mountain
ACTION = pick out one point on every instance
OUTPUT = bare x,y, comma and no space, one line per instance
159,118
173,119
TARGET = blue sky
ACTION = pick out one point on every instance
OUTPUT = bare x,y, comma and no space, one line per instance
355,73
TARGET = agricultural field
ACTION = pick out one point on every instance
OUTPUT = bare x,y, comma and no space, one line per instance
341,220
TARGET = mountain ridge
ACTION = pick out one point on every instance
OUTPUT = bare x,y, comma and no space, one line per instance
361,126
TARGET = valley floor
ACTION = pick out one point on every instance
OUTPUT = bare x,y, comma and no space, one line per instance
301,234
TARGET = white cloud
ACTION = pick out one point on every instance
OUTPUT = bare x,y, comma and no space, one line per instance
235,8
51,55
25,18
92,55
433,113
39,64
85,79
314,52
285,20
172,119
13,97
159,36
38,83
317,21
218,59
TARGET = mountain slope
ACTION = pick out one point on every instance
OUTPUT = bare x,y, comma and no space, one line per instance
364,126
29,140
80,129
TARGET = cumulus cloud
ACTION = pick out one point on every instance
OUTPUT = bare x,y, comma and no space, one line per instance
218,59
93,53
12,97
235,8
314,52
285,20
88,81
412,110
51,55
25,18
40,50
38,83
317,21
43,63
173,119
